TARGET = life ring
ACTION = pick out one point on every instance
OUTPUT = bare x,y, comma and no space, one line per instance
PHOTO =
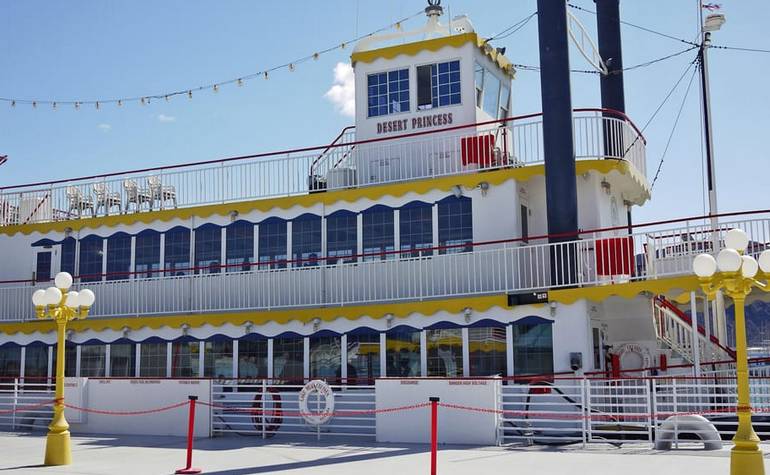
323,391
272,418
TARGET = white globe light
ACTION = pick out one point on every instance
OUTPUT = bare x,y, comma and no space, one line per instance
749,267
52,296
86,298
764,261
728,260
63,280
704,265
736,239
72,299
38,298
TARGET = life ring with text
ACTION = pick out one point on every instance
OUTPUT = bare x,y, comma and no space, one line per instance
325,394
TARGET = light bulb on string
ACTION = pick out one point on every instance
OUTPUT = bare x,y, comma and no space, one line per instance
189,94
291,67
240,82
77,106
142,101
315,56
265,74
53,106
34,104
166,97
216,88
342,46
13,103
96,105
120,102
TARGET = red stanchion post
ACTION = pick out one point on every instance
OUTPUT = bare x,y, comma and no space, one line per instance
190,432
433,433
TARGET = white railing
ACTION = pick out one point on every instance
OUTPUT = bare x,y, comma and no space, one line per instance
23,404
263,409
489,269
676,333
591,410
342,164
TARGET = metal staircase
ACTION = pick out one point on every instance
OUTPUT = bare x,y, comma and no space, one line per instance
673,329
333,157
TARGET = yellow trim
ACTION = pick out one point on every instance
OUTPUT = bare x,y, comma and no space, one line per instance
628,290
373,193
434,45
306,315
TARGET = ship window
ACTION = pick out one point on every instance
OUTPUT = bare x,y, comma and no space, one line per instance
378,233
455,225
416,230
36,361
147,254
10,362
152,360
185,362
288,359
93,361
208,249
532,349
218,359
403,352
505,97
272,244
118,256
479,79
325,357
91,254
177,252
491,94
252,359
306,240
123,360
68,255
70,360
363,358
445,352
341,237
487,351
43,267
438,85
388,93
240,246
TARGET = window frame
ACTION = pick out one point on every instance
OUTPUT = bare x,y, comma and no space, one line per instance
435,99
302,236
383,246
118,256
464,244
146,254
388,104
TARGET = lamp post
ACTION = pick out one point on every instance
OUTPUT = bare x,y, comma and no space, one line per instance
60,305
737,275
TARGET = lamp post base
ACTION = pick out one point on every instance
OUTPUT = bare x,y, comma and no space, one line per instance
746,461
57,449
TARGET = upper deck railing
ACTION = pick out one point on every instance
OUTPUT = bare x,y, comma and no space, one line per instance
601,257
345,163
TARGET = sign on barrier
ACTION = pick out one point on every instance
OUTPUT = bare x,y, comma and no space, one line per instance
322,391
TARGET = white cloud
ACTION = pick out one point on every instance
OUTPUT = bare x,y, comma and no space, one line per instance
343,92
166,118
104,127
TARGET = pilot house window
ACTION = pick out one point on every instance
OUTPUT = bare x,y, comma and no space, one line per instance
388,93
438,85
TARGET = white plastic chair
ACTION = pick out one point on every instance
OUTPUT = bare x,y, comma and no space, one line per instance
136,195
106,199
160,192
78,202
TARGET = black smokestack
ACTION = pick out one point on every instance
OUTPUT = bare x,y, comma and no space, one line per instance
558,145
608,25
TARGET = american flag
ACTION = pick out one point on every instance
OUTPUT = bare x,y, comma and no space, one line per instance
711,6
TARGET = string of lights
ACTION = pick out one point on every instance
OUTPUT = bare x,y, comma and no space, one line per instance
213,87
513,28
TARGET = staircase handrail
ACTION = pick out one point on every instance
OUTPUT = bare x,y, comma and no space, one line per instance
329,147
664,302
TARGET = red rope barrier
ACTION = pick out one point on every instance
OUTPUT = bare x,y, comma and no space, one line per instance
340,413
125,413
26,408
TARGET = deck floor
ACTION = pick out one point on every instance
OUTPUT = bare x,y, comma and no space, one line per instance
23,454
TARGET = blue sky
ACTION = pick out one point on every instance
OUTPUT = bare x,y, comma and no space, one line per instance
96,49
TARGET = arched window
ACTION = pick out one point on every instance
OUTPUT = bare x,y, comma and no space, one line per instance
455,224
306,240
240,246
118,256
68,255
532,346
341,237
177,251
378,233
416,229
272,243
91,255
147,254
208,249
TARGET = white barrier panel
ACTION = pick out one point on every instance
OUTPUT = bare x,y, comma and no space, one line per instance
75,394
454,426
126,395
